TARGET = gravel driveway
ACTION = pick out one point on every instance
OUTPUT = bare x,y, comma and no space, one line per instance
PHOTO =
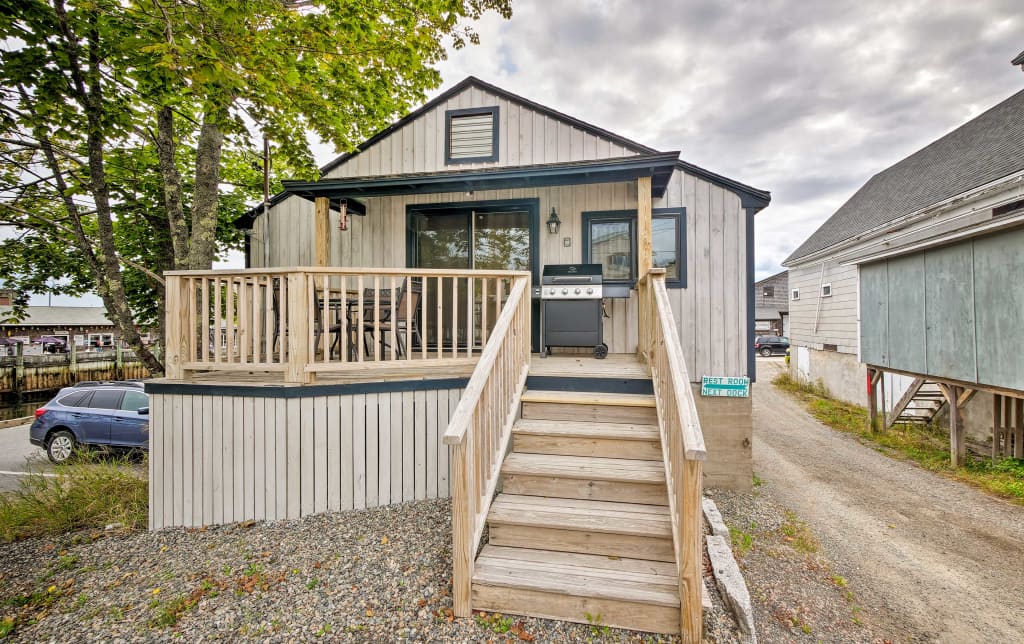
932,559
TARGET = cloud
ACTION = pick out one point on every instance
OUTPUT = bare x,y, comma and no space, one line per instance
807,99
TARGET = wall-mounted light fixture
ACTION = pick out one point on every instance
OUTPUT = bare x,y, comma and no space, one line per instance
553,222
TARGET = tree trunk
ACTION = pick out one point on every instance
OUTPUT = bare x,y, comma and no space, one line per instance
207,195
166,147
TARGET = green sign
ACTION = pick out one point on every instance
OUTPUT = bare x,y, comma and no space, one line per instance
729,387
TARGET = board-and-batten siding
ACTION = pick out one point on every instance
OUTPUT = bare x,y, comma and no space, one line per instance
949,312
220,459
837,318
711,312
525,137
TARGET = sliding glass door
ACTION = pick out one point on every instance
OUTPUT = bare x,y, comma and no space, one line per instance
496,236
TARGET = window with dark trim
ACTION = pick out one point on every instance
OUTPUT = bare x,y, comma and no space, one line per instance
609,239
471,135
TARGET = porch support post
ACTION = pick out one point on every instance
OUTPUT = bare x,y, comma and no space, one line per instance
874,375
997,424
643,227
322,254
956,430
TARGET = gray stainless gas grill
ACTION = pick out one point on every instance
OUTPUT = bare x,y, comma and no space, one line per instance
571,307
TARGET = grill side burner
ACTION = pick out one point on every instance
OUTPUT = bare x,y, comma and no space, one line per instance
571,307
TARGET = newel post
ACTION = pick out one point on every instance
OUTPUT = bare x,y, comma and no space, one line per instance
298,328
176,334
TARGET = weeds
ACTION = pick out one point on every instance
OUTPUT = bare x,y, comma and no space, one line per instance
87,494
924,445
597,629
742,542
494,622
796,533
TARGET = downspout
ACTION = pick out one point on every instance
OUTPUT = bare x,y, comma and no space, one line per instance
821,282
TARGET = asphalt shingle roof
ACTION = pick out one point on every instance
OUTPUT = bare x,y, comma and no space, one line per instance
60,316
986,148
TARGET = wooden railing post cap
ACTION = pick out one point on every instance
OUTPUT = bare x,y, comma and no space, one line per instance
657,272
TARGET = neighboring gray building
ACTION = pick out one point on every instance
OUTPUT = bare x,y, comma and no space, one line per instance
930,249
771,305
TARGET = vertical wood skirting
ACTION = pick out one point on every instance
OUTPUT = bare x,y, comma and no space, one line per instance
322,236
644,253
222,459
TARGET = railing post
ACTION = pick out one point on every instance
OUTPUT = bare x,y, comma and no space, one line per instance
463,529
298,329
177,337
692,537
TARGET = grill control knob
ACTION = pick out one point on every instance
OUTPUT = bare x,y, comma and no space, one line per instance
590,291
551,291
565,291
577,291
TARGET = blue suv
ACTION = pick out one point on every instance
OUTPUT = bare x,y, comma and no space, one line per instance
103,414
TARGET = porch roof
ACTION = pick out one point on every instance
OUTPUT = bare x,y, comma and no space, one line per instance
657,166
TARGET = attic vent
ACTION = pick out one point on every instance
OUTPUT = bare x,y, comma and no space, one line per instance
1010,208
471,135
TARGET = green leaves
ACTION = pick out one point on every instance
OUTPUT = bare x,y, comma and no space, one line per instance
84,84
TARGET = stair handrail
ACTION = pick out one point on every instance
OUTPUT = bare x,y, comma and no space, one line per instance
480,430
682,443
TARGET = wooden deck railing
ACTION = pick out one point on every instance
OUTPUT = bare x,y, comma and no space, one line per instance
682,443
305,321
480,430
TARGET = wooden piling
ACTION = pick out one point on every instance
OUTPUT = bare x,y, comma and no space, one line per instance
19,370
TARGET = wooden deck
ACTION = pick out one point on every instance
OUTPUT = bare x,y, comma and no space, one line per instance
616,365
627,366
385,371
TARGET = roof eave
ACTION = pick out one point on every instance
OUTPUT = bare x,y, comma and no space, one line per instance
658,166
750,197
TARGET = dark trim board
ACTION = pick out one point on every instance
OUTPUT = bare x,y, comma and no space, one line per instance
657,166
596,385
303,391
248,218
751,360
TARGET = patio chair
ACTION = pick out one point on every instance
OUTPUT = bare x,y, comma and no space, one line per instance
408,301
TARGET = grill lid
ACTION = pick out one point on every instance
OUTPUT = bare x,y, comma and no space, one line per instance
572,274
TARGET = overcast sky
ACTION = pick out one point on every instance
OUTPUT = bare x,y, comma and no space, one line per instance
805,98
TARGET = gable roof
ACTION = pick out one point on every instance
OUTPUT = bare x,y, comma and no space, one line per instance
473,81
771,277
985,149
59,316
1019,60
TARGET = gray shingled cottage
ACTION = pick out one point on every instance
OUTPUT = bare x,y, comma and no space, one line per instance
914,289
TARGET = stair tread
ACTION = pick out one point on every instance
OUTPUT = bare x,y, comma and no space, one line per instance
566,573
585,467
620,431
581,514
588,398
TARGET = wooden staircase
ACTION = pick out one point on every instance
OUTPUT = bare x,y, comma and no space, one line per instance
581,526
587,485
920,403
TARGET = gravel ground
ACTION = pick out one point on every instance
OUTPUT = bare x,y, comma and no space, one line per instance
373,575
797,593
